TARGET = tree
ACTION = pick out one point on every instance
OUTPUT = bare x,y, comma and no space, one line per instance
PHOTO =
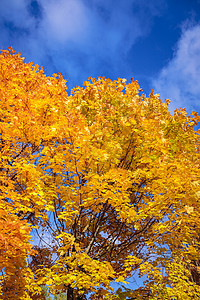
109,180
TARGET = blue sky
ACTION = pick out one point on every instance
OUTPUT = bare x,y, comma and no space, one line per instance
156,41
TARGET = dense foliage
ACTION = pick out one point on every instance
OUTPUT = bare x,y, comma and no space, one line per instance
106,177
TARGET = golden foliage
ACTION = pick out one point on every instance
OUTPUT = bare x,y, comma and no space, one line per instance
107,177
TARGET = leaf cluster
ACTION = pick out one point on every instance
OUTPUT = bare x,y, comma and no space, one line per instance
105,182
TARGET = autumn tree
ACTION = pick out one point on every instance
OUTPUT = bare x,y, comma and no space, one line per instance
106,177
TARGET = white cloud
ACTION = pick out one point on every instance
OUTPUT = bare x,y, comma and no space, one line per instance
64,20
15,12
92,38
180,79
76,37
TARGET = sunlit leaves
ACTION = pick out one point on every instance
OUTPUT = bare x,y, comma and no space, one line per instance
107,178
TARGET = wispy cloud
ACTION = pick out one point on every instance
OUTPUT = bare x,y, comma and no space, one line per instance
64,21
78,38
180,79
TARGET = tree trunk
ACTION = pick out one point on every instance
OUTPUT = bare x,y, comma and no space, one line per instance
70,294
73,295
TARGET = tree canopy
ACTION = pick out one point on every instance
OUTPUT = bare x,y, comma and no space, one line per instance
106,177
